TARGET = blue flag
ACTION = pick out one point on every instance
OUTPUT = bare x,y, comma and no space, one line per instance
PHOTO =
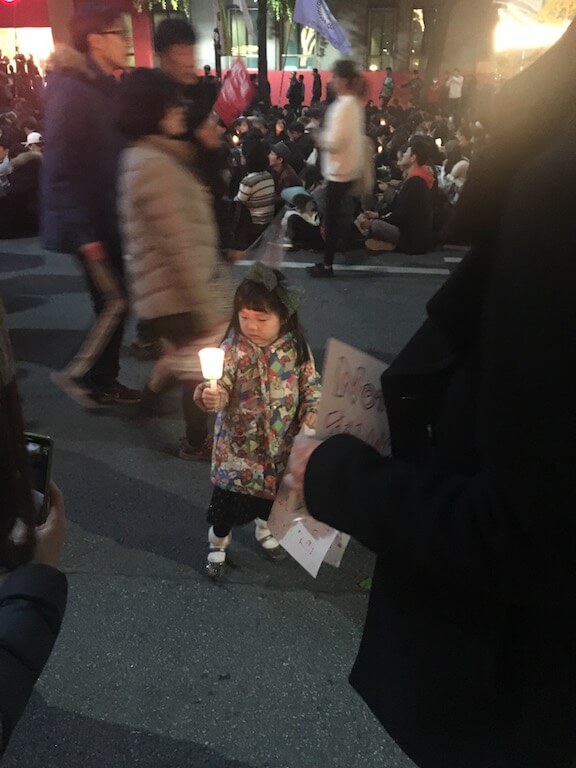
316,14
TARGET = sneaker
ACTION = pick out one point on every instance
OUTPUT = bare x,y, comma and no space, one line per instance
379,245
115,394
146,351
200,452
76,389
319,270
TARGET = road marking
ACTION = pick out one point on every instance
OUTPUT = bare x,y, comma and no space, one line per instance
453,259
359,268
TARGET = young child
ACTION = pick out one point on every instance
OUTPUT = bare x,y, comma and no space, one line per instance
269,388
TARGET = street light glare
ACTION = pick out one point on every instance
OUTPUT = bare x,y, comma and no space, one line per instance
516,31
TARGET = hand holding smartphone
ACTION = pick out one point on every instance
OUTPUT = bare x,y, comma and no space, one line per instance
40,449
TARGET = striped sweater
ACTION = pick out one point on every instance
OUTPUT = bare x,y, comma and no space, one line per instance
257,193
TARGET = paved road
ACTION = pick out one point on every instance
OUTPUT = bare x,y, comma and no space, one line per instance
156,666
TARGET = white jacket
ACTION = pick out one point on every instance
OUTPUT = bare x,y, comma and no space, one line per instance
342,140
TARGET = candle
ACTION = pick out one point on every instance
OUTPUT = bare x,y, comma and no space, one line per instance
212,364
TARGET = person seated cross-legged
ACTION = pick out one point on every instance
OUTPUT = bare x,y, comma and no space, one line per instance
408,227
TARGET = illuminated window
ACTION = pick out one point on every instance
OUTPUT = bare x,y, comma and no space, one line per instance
240,42
422,19
300,46
37,41
381,38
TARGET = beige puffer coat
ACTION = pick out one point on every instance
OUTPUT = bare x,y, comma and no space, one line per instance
169,235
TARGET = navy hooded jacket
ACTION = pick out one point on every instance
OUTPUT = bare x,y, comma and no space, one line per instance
82,147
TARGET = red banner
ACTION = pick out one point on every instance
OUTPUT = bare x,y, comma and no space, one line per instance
236,93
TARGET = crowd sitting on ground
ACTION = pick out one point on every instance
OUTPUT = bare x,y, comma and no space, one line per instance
20,161
284,142
445,147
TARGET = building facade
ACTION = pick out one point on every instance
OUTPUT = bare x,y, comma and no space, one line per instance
402,34
431,35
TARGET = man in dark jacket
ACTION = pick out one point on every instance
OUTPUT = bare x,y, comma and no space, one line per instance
409,225
316,87
300,145
284,175
78,194
416,85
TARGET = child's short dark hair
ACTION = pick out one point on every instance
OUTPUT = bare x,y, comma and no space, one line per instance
254,295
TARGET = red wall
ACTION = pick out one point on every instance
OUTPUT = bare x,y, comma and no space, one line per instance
279,82
24,13
142,39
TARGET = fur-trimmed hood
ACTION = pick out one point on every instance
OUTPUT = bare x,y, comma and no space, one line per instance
68,59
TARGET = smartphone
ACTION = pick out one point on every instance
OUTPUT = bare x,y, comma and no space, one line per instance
40,449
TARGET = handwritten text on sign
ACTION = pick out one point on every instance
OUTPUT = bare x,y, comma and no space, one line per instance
352,401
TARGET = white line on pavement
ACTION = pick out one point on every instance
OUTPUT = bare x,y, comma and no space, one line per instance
360,268
452,259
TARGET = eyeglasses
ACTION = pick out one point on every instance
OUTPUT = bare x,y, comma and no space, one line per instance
119,32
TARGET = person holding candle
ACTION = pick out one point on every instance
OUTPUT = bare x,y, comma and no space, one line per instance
268,390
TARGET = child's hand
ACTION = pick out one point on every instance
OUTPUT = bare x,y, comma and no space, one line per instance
213,399
310,420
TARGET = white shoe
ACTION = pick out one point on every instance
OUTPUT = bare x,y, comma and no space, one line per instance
216,553
270,546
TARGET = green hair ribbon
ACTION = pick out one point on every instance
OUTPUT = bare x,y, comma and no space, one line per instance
289,294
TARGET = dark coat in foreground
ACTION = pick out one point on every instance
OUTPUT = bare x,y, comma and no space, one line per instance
469,651
32,603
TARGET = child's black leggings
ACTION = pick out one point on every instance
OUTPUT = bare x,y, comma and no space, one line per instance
228,509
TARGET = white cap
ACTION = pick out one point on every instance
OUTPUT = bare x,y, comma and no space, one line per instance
33,138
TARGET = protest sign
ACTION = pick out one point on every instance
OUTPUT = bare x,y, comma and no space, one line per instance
236,93
351,403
